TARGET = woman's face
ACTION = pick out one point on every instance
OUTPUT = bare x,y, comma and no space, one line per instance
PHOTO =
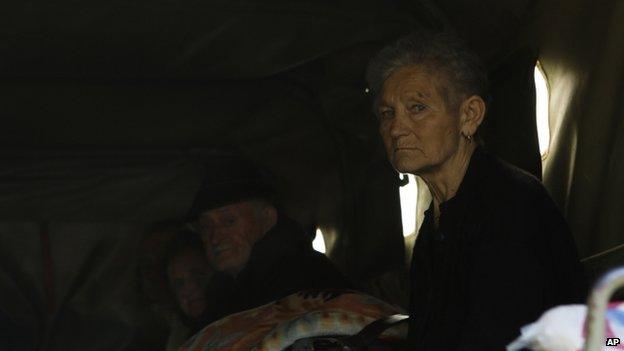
419,132
189,274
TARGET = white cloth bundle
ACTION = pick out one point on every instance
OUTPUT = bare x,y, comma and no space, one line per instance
562,329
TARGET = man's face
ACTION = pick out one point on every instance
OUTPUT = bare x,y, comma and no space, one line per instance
229,234
418,131
188,274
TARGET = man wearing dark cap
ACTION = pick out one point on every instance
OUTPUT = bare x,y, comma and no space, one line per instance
264,254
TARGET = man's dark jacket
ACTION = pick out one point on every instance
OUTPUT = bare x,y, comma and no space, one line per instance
502,255
281,263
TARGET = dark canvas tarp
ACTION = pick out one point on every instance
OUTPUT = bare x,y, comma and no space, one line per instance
108,106
584,61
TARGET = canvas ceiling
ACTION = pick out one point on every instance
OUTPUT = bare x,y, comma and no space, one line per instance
272,78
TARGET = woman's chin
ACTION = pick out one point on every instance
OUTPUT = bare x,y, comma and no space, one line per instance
407,166
195,308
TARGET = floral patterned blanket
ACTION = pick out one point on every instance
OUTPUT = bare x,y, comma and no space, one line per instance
278,324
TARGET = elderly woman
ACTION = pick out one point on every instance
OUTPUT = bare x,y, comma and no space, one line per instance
493,251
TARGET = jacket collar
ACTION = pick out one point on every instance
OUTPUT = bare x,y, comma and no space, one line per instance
469,186
285,236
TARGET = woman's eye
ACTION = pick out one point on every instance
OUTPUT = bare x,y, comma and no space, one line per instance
386,114
415,108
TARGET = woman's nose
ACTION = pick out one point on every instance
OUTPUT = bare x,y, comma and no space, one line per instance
397,125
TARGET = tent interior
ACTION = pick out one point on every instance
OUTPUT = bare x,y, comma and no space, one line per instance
111,109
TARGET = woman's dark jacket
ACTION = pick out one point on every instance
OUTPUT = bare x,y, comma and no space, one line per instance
502,255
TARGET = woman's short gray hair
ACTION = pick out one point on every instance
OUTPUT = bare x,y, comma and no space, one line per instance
441,52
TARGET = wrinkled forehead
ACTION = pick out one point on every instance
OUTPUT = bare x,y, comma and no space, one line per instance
414,81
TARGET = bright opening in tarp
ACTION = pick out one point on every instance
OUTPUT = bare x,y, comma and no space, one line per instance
318,243
541,110
408,194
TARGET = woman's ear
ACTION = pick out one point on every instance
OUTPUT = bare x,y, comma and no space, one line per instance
472,112
270,217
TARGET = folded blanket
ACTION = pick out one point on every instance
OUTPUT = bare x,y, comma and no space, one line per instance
563,329
277,325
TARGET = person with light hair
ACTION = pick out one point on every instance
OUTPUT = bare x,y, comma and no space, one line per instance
493,251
